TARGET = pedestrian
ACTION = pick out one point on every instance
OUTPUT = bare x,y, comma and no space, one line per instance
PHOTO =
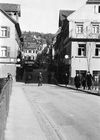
89,80
40,79
83,81
66,79
77,81
9,76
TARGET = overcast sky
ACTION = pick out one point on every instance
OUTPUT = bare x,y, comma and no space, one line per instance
43,15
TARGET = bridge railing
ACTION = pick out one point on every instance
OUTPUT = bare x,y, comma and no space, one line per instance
5,93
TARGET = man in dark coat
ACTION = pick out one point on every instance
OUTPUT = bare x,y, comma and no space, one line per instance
83,81
40,79
77,81
66,79
89,80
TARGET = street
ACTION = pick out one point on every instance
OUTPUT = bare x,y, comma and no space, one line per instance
65,114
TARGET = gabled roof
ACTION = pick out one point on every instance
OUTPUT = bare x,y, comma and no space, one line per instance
13,21
93,2
10,8
64,14
84,13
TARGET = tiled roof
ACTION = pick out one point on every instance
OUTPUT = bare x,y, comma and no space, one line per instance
12,20
93,2
64,14
10,7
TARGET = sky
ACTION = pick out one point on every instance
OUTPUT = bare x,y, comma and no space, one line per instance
43,15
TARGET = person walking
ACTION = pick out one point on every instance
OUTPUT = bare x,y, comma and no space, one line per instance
40,79
77,81
89,80
66,79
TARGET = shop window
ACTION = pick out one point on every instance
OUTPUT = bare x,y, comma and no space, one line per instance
82,50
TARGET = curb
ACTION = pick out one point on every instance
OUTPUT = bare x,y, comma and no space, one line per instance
85,91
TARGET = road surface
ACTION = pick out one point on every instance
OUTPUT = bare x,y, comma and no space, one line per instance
65,114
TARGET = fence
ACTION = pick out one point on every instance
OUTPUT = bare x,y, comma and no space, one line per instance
4,106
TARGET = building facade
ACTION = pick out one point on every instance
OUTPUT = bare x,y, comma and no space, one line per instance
84,39
10,42
79,40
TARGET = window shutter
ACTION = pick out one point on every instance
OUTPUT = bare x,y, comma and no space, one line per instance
79,51
96,51
8,31
8,51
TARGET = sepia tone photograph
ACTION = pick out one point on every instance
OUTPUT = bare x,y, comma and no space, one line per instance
49,69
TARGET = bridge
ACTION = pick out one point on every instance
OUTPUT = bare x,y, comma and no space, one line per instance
48,112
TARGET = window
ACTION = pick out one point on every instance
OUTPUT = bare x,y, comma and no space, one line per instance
98,9
79,28
95,28
82,50
29,51
4,31
5,51
32,57
97,50
26,51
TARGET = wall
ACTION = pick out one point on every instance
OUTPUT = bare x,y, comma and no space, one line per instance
11,42
81,62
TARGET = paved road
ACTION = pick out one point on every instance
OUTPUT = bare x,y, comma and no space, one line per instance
65,114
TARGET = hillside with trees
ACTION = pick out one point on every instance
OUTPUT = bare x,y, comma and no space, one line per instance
37,37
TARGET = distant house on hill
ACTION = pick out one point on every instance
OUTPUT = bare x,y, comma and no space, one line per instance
30,51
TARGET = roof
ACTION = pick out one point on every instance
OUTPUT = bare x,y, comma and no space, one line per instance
10,8
84,14
64,14
30,45
13,21
93,2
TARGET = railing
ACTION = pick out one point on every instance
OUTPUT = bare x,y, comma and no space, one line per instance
4,105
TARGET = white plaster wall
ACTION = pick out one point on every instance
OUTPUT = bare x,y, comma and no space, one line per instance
85,14
9,42
82,63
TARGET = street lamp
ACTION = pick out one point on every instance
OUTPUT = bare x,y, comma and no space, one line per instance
18,60
66,56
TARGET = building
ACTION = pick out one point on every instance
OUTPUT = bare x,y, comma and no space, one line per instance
62,65
84,35
13,10
10,39
30,51
82,41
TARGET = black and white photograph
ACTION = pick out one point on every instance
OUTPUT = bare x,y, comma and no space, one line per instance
49,69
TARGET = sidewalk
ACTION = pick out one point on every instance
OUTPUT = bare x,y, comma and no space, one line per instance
93,92
21,123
